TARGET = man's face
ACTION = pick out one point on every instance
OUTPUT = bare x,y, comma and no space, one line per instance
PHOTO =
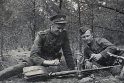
87,37
58,28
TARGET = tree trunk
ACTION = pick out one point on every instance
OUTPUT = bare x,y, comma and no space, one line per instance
1,52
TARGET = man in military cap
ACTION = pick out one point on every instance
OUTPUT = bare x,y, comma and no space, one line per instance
98,50
47,45
46,49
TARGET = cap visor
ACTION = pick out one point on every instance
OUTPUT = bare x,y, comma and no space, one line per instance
61,22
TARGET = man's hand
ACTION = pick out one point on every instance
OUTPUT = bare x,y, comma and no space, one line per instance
88,65
96,57
51,62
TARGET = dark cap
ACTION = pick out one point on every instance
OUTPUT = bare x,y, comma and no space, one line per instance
58,19
84,29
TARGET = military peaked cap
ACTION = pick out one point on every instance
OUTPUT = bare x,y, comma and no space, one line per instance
58,19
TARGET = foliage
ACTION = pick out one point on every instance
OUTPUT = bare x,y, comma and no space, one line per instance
21,19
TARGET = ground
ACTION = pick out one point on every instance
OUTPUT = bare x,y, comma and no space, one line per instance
15,56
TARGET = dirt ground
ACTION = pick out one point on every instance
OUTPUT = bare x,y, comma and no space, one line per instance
14,57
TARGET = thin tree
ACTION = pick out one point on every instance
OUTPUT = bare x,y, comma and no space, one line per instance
1,52
79,23
92,15
60,5
34,21
81,59
2,20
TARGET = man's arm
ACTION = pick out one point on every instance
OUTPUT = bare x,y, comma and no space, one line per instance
36,52
36,49
107,46
67,52
87,52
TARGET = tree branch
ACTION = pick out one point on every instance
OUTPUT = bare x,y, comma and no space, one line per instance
109,29
114,9
99,5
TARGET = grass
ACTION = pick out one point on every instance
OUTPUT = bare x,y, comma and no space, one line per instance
16,57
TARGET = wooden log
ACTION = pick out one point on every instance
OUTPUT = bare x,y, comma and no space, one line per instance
12,71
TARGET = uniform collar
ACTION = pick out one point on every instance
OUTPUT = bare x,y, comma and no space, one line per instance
53,34
93,41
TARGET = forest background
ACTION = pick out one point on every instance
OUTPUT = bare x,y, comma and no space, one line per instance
20,20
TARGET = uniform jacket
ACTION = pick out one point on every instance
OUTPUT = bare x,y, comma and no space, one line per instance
47,46
102,46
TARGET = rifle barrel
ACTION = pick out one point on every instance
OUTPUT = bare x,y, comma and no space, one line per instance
82,71
120,57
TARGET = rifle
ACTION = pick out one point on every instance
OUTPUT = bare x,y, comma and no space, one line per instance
81,71
116,56
43,75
